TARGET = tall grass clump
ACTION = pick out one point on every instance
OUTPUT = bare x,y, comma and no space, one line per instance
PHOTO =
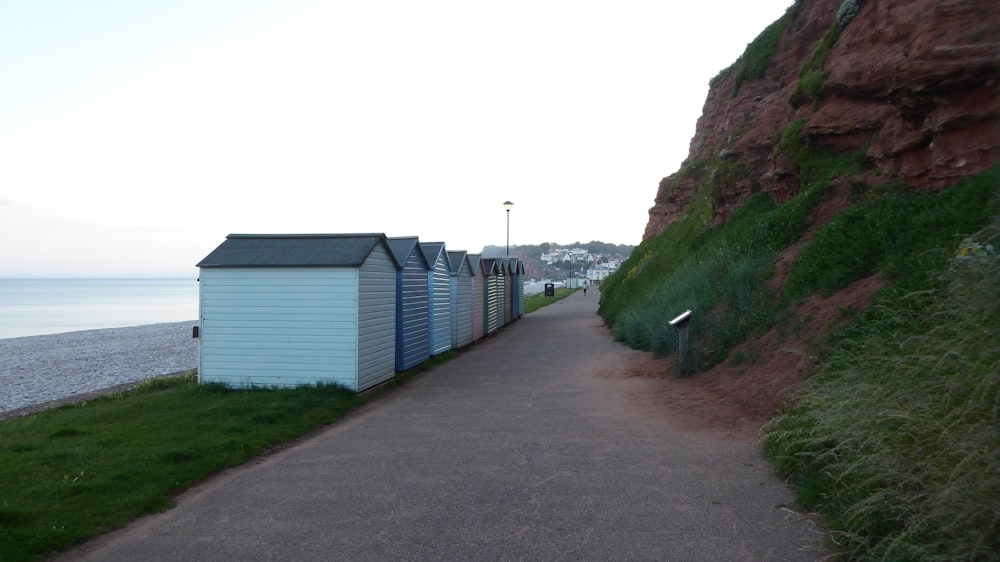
897,439
656,258
718,272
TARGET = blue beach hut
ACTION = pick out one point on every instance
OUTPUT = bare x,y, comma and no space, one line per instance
461,299
439,296
292,309
412,322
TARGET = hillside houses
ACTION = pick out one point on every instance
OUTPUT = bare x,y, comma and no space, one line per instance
598,266
576,255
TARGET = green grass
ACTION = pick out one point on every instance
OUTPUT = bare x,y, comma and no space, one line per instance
898,233
536,301
756,58
811,74
71,473
896,440
718,272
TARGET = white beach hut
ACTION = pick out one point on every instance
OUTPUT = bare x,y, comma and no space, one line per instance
292,309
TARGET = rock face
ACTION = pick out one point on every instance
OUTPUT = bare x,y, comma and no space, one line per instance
914,83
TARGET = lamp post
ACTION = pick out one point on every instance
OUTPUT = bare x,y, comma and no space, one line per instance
507,205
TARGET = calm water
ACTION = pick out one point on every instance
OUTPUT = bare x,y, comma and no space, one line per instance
31,307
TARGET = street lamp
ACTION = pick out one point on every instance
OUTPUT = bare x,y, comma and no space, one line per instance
507,205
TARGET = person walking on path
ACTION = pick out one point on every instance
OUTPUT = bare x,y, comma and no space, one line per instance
530,445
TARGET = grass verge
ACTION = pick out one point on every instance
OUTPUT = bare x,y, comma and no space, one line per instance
71,473
538,300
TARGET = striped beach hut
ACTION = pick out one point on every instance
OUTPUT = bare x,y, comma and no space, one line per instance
292,309
412,321
461,299
493,319
517,292
508,292
478,296
439,296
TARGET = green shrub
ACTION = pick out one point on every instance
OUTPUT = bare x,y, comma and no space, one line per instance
811,74
895,233
755,59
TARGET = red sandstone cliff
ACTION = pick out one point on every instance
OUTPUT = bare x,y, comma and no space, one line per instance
916,83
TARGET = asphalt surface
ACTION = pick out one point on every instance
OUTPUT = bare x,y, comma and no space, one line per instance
515,450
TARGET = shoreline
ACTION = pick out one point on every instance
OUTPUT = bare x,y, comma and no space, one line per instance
43,371
69,332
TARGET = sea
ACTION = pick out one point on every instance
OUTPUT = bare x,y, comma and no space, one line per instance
32,307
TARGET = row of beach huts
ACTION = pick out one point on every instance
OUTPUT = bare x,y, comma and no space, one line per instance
348,309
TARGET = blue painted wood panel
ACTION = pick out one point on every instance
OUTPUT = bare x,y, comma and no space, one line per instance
439,298
412,323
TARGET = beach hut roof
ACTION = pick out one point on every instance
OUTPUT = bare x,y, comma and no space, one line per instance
474,260
294,250
403,246
493,266
432,250
457,257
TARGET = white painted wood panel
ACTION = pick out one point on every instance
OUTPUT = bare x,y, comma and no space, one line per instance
278,326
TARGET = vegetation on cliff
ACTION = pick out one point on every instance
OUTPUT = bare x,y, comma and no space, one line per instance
817,170
895,442
894,438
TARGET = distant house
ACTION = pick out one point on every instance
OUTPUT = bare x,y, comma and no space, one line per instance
293,309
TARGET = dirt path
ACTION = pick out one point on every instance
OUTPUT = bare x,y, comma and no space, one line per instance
549,441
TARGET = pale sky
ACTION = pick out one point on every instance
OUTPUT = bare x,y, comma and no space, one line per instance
136,134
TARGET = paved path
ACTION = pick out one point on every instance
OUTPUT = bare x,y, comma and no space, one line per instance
519,449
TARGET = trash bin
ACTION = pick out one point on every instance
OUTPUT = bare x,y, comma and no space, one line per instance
550,289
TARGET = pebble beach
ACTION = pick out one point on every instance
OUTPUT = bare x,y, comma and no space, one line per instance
38,371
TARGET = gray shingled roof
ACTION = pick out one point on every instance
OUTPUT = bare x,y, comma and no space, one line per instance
293,250
456,257
474,260
432,250
403,246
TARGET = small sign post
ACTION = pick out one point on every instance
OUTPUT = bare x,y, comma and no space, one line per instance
683,347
